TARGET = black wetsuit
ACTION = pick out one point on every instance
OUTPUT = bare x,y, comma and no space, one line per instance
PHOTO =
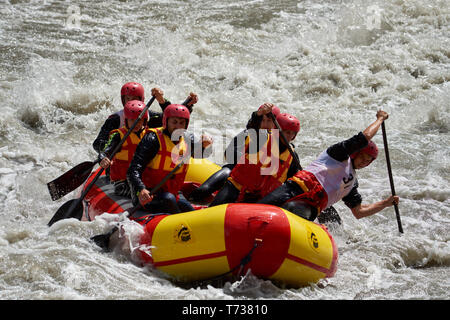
145,152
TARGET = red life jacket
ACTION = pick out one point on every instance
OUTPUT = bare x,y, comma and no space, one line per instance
122,159
163,163
261,173
313,192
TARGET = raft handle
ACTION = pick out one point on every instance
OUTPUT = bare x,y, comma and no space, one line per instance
246,260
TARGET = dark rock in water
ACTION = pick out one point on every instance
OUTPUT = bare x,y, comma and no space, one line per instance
32,120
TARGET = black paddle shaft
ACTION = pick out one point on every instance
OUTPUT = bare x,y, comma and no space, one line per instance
391,179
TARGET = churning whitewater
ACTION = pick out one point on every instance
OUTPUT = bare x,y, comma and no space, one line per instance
332,64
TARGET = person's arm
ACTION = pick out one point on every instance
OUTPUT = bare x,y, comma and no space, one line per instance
353,198
354,201
255,121
159,96
257,116
373,128
342,150
113,122
113,141
191,100
155,118
366,210
105,155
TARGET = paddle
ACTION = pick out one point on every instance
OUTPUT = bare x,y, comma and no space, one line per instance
102,240
74,208
329,214
70,180
391,179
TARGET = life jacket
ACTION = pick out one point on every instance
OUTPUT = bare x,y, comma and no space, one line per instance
313,192
261,173
122,159
337,178
163,163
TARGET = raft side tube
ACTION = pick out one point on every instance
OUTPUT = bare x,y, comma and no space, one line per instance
200,170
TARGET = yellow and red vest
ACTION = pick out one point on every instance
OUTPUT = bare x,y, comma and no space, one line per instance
167,158
263,172
122,159
313,192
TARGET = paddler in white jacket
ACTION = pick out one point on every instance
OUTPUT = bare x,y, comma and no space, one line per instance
332,177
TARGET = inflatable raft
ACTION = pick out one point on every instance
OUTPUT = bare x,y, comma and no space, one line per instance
227,239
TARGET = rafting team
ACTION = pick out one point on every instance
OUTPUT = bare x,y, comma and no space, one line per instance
147,156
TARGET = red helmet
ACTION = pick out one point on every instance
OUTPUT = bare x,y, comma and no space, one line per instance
176,110
133,109
288,122
371,149
275,110
132,89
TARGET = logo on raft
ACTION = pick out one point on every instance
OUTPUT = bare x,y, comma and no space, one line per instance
312,239
182,234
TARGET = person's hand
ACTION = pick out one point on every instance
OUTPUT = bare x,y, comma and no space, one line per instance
158,94
207,140
145,197
392,200
264,109
105,163
193,99
382,115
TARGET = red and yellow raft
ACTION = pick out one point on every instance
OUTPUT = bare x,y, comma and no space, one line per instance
272,242
205,243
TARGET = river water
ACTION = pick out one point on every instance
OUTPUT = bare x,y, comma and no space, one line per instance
333,64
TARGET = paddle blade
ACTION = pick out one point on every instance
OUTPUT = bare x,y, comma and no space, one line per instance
102,240
71,209
329,215
70,180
